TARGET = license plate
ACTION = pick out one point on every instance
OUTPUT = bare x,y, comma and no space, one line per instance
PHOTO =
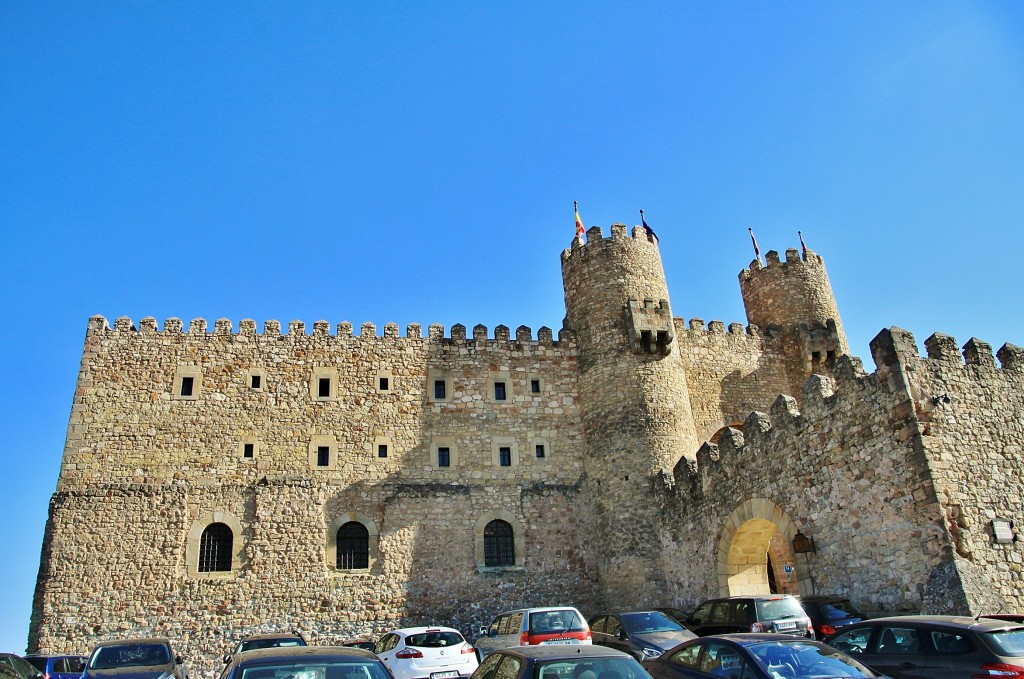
785,625
447,674
556,641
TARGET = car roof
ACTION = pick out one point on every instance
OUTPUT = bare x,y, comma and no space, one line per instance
542,609
563,651
406,631
134,640
821,599
747,638
259,655
278,635
960,621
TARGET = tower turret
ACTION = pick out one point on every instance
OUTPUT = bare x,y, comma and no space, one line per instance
634,401
796,297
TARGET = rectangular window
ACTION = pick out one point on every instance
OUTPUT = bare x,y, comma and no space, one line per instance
382,450
383,384
323,456
540,451
499,391
505,456
444,457
535,386
248,450
440,389
186,385
323,389
255,382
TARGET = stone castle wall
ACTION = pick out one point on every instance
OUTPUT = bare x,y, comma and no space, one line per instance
892,473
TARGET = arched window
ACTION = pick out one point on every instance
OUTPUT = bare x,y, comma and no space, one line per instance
215,548
353,546
499,544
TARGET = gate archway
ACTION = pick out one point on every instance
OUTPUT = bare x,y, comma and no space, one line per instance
757,533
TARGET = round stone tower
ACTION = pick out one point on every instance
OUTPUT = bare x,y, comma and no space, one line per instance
796,292
634,402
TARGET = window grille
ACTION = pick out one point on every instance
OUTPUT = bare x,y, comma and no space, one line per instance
353,546
444,457
505,456
440,389
215,548
499,391
499,544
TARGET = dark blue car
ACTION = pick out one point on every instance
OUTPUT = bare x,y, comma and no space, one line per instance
151,658
58,666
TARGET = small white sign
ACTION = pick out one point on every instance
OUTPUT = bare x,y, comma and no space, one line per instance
1003,530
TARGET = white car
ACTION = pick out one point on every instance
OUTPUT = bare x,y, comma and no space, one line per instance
426,653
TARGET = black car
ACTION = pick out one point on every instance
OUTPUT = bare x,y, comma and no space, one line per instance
275,640
643,634
568,661
755,656
936,646
142,658
677,614
322,662
778,613
20,666
829,613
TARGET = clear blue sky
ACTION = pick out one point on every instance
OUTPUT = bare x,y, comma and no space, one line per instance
417,162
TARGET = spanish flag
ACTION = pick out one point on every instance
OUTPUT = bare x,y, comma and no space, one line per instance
580,231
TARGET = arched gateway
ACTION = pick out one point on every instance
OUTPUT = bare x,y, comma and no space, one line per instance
755,554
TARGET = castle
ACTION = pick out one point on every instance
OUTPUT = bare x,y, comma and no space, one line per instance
220,483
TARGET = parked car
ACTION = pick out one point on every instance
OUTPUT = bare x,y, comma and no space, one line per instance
308,662
58,666
143,658
829,613
557,625
560,662
935,646
755,656
677,614
368,644
777,613
266,641
426,652
643,634
22,667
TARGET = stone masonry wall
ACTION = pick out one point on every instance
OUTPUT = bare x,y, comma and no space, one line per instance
841,469
145,469
972,431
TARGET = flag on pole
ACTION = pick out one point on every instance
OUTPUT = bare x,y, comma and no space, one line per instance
803,247
757,251
580,231
648,230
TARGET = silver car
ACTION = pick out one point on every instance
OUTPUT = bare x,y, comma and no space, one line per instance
549,626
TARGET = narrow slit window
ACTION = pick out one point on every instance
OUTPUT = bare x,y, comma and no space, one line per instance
383,384
505,456
444,457
535,386
382,450
255,382
187,384
323,456
540,451
440,389
499,391
323,389
248,450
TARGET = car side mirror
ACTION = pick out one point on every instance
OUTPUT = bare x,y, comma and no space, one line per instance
483,631
622,635
227,658
693,621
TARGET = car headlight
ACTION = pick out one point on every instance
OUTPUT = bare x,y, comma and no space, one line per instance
651,653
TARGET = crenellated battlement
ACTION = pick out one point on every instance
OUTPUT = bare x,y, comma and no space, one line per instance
247,328
597,242
773,263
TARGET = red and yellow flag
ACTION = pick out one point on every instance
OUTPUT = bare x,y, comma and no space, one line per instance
580,231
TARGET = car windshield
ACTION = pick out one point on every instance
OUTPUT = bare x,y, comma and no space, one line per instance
591,668
805,659
38,661
551,622
1008,642
776,609
838,610
314,668
434,639
648,623
250,644
129,655
22,666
